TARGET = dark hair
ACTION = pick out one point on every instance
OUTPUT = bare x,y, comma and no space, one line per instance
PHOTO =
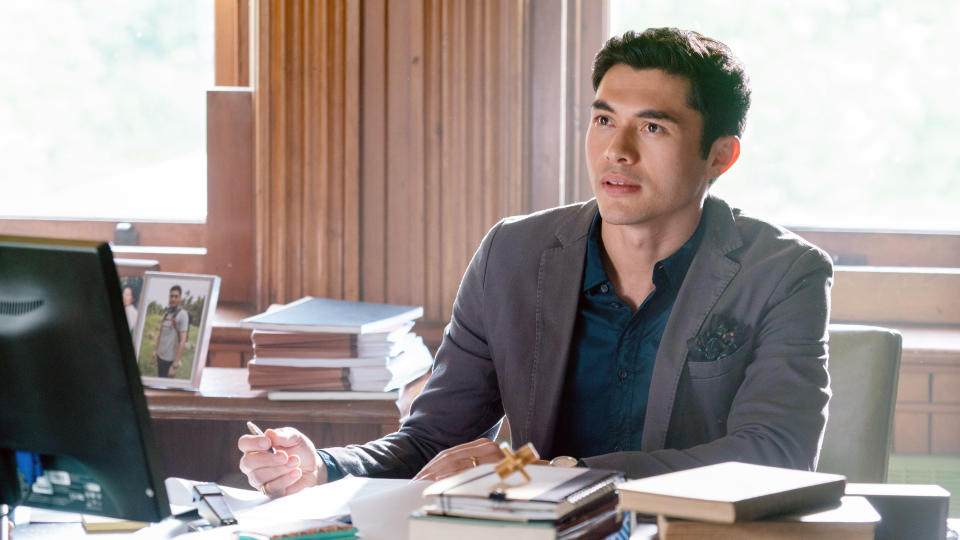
719,89
177,288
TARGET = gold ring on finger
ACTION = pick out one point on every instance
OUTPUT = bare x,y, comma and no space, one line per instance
474,461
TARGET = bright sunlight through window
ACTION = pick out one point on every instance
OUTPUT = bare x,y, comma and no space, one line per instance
854,117
103,108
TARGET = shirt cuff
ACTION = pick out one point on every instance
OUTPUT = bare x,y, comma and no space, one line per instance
333,470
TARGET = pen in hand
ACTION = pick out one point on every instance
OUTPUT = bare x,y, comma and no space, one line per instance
254,430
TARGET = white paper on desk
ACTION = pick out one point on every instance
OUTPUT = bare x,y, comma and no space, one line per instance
25,514
180,493
383,515
324,501
388,497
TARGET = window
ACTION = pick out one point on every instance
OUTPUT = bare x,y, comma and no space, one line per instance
853,122
103,111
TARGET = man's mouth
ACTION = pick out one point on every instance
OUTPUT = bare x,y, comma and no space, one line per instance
616,184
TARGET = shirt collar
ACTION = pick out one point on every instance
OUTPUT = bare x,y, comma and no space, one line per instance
673,267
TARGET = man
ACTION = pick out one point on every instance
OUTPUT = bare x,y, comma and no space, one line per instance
648,330
172,337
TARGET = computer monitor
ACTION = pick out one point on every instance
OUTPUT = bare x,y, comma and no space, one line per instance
75,434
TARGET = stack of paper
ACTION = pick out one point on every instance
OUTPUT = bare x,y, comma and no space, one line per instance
317,348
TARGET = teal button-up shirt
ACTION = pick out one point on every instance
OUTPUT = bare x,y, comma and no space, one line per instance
612,354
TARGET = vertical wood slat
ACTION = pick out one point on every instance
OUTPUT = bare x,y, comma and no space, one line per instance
351,153
433,157
372,159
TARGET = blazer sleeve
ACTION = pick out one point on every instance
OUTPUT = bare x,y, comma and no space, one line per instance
461,401
779,411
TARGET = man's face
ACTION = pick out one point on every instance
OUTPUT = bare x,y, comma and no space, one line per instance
127,296
643,148
174,298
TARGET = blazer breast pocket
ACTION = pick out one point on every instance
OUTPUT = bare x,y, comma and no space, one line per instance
734,363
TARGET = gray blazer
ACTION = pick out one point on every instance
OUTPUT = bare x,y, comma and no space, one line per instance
505,351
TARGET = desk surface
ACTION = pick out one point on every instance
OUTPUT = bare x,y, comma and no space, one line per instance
197,432
225,395
74,531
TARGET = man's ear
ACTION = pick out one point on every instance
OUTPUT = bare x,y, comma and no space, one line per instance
723,154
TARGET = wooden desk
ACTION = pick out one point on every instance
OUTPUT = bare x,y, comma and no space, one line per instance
197,432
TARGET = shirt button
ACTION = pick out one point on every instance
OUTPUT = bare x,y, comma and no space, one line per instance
617,448
622,374
604,288
616,305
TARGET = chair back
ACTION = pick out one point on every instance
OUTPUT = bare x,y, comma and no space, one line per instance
864,367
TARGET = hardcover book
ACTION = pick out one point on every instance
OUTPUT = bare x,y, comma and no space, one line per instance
598,522
551,494
853,519
907,510
730,492
311,314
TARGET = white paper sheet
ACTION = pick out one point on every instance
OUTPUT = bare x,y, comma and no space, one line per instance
384,505
383,515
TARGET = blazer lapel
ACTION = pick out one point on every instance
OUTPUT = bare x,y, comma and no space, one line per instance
709,274
558,295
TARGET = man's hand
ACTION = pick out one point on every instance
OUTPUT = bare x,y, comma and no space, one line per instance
295,466
460,458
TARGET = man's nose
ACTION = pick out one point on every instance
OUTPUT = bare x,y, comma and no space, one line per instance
622,148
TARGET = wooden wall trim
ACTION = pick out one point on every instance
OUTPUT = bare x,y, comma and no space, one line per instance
896,295
586,34
887,248
231,34
545,143
151,233
230,192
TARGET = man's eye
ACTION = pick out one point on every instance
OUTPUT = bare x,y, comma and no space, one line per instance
654,128
602,121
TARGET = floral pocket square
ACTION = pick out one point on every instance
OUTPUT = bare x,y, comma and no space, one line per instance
719,339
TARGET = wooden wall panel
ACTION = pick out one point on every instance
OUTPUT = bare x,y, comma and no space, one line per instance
440,142
307,115
389,140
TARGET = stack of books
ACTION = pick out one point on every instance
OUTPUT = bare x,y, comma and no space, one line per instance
744,501
320,348
557,503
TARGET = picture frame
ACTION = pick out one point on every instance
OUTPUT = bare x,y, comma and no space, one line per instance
130,272
174,319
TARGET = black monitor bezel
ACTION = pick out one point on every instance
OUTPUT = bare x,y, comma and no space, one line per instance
143,503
